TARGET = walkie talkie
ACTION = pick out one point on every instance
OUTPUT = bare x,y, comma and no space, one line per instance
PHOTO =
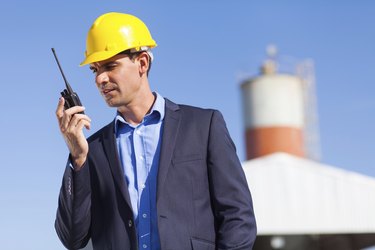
71,98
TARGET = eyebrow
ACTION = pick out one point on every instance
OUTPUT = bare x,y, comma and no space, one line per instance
104,65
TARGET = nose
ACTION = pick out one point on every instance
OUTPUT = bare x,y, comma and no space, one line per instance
102,79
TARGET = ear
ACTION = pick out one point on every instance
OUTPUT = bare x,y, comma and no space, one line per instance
144,63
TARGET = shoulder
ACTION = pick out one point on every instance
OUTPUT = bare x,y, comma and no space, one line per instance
192,114
190,110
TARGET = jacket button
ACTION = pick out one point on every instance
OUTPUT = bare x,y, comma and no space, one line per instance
130,223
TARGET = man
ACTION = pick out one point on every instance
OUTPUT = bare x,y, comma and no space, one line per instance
161,175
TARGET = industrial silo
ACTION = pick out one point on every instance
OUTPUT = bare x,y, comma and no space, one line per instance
279,111
299,203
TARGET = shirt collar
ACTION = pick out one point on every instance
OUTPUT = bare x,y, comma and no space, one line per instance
158,108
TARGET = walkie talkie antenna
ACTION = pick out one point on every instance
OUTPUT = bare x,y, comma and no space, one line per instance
69,89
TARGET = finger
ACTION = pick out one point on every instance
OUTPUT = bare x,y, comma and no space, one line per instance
78,130
60,108
70,114
74,110
88,126
65,121
77,117
83,123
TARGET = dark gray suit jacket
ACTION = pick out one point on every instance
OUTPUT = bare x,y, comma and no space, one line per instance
203,201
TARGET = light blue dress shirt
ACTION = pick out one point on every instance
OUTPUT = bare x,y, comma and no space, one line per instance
139,152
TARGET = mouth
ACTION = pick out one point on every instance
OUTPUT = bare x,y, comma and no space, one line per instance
107,91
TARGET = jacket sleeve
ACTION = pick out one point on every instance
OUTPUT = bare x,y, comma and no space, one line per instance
230,195
73,216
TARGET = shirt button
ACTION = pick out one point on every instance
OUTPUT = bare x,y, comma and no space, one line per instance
130,223
144,246
144,216
138,132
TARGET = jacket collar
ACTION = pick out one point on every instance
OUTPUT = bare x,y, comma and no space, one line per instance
169,135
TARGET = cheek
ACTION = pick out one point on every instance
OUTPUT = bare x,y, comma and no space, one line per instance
97,82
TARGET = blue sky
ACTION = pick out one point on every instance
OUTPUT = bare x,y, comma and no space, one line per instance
203,47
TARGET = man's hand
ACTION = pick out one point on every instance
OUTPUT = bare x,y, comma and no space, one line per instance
71,125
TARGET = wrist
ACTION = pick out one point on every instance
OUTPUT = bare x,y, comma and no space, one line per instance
78,162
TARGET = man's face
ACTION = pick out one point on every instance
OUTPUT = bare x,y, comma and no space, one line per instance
118,79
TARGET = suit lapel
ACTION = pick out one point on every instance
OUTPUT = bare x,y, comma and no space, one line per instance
110,149
170,131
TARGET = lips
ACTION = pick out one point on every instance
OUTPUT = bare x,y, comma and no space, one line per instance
106,91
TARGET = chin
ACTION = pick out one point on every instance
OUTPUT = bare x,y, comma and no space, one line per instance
110,103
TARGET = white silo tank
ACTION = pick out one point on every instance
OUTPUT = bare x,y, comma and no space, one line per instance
274,113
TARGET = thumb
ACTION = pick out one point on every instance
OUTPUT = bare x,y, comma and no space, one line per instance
60,108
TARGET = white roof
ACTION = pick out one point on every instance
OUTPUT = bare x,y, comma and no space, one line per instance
293,195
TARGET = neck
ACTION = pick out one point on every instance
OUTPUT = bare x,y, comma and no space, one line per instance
135,112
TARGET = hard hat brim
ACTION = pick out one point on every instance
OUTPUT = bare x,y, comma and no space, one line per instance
99,56
104,55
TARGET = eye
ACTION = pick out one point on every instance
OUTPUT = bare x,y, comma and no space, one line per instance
110,67
94,70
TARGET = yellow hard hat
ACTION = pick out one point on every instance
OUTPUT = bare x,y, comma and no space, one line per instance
112,33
